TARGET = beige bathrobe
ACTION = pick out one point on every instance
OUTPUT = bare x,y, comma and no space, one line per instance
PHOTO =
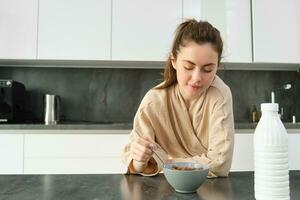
203,133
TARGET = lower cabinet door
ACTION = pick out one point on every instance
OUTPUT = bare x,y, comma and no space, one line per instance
108,165
11,153
243,154
80,153
294,161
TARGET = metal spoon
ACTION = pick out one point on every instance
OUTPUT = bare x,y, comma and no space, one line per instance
161,160
152,148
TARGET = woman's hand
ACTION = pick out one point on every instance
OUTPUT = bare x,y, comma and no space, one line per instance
142,149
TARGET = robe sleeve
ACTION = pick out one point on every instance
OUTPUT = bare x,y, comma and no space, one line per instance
142,126
220,140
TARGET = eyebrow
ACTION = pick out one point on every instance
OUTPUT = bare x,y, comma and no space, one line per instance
195,63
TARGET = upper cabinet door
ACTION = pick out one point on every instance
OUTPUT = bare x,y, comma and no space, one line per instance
74,30
238,41
276,31
232,18
18,29
143,30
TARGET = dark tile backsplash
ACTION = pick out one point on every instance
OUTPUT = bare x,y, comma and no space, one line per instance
113,95
251,88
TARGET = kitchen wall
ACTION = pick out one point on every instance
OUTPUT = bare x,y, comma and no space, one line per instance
113,95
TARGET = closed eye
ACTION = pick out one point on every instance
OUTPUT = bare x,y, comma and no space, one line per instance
188,67
207,70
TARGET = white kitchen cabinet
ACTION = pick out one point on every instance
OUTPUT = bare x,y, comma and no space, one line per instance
243,156
232,18
74,30
18,29
109,165
243,152
294,161
276,31
78,153
11,153
143,30
98,151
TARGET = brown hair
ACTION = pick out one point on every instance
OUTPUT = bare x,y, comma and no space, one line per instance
191,30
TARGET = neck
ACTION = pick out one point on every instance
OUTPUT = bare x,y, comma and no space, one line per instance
189,101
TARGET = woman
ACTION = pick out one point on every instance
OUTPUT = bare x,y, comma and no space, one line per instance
188,117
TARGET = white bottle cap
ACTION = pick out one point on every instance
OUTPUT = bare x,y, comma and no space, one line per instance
269,107
294,119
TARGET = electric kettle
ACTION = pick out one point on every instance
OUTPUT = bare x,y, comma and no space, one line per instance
52,109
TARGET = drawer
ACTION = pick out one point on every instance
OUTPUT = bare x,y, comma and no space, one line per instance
107,165
11,153
74,145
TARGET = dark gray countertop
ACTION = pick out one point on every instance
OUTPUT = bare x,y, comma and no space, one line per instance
113,126
238,186
70,125
245,125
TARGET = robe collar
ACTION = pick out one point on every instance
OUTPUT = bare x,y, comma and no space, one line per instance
183,121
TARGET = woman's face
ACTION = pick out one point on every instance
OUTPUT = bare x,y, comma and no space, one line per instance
196,66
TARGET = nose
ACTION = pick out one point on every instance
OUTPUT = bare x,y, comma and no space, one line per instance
197,75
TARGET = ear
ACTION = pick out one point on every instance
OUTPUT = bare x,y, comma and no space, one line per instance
173,61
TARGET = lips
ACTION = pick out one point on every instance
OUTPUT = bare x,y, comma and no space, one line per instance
194,88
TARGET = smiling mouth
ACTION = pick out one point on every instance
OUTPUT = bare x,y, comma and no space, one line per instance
195,86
